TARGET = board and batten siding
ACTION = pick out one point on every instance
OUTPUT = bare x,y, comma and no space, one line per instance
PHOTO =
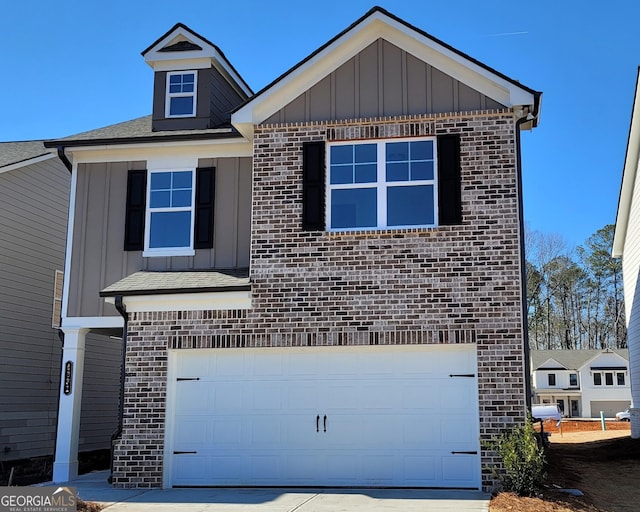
630,270
382,80
98,258
100,391
33,208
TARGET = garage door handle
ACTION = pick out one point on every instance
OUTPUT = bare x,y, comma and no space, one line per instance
182,453
318,423
464,453
325,422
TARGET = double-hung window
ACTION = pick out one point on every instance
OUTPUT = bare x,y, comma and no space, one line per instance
170,213
382,184
181,94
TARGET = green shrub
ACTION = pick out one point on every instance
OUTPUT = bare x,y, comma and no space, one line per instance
522,459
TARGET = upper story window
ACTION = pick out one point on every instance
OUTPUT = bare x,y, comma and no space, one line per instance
382,184
609,379
170,215
552,379
181,94
573,379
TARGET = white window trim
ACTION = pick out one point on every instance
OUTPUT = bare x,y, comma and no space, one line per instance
169,95
169,251
381,184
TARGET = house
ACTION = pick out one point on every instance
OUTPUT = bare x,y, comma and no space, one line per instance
317,284
34,194
626,246
582,382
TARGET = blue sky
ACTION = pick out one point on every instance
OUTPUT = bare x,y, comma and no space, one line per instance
71,66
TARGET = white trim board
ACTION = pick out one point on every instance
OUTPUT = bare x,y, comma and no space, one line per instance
186,301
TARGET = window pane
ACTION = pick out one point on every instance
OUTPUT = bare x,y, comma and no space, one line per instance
175,88
187,87
181,198
170,229
341,174
366,153
620,379
608,379
160,180
398,172
410,206
573,379
182,179
181,106
552,379
422,150
366,173
175,79
160,199
354,208
188,78
597,379
422,170
341,154
397,151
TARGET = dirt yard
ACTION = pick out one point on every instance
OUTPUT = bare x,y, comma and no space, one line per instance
605,466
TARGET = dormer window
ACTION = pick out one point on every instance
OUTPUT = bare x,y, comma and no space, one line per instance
181,94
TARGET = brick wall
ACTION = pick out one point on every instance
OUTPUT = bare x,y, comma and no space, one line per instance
452,284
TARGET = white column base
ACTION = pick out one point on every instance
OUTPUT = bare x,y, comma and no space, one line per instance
65,471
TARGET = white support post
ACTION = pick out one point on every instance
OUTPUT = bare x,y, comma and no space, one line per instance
65,466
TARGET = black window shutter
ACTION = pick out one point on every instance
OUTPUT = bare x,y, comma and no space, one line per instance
135,212
313,183
449,180
204,207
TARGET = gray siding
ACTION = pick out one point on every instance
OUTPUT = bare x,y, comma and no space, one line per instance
100,392
33,209
223,99
216,99
382,80
98,258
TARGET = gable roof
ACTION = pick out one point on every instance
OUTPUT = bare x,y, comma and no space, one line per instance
191,46
570,359
629,173
375,24
18,154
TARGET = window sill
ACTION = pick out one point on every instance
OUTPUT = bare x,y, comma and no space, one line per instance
168,253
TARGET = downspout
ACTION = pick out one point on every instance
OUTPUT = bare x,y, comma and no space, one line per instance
63,157
523,264
118,432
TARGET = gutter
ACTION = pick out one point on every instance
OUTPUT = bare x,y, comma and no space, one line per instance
119,304
523,258
63,157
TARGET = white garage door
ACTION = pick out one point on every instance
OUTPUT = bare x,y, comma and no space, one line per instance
335,416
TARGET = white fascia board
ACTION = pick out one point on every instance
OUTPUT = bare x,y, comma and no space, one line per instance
184,64
629,174
220,148
30,161
92,322
186,301
352,43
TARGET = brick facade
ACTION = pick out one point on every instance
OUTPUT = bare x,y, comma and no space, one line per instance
452,284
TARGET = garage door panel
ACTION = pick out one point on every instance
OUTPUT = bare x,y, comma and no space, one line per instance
393,417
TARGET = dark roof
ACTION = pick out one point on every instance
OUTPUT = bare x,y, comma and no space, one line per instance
373,10
138,131
156,283
16,152
570,359
194,33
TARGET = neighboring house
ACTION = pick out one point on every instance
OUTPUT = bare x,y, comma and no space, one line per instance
34,197
582,382
626,245
318,284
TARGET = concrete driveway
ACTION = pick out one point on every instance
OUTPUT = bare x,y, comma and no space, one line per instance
93,487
